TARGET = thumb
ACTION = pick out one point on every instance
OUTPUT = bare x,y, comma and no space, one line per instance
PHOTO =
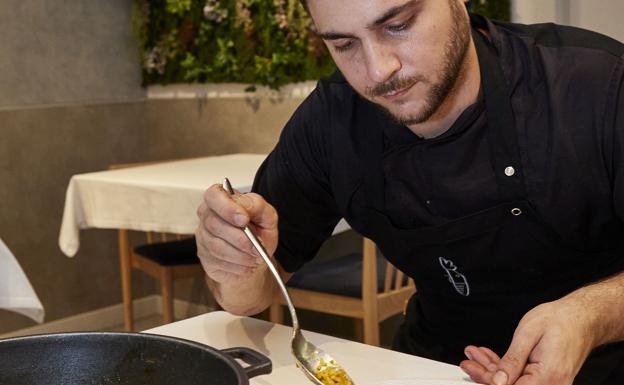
261,213
512,365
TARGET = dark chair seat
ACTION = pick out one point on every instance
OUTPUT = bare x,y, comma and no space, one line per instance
178,252
340,276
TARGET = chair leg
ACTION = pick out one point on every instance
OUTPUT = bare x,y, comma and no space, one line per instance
276,312
166,287
358,329
371,329
126,279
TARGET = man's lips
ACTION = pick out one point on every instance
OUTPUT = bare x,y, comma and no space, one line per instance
394,94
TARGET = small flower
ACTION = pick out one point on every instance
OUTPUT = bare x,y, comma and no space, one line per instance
243,16
155,61
280,14
282,20
213,12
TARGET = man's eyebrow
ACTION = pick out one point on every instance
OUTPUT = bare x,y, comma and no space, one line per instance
389,14
392,12
335,36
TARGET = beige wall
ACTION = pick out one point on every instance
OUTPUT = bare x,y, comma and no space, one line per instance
70,51
43,148
191,127
71,102
601,16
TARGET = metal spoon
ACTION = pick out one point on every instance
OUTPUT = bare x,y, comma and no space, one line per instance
309,357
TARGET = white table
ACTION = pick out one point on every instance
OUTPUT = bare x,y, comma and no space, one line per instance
367,365
16,292
161,197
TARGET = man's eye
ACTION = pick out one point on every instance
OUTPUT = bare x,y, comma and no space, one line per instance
343,47
402,26
398,27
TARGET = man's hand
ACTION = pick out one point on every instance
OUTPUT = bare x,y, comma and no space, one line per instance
225,252
549,347
237,275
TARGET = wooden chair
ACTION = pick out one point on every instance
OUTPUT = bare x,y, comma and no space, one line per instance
166,257
363,286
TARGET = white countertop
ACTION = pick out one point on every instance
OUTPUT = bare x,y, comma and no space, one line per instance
367,365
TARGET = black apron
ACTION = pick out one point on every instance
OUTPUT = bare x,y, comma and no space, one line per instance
478,275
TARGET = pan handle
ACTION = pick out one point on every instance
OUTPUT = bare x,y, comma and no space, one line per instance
258,363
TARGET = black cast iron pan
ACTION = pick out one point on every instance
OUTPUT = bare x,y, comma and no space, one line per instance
95,358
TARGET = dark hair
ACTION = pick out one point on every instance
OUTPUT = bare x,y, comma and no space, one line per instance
305,5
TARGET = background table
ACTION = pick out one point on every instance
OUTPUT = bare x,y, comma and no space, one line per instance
366,364
160,197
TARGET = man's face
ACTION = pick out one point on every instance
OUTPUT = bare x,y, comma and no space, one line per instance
404,55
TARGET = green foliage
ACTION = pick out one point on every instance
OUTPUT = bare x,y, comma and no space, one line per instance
265,42
494,9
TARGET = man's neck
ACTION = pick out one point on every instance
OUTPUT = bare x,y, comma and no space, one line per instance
463,94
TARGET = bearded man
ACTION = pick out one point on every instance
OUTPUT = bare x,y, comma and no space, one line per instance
485,159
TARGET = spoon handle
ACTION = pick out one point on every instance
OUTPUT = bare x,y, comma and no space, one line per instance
265,256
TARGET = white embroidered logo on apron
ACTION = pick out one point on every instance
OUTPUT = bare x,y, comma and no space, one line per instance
457,279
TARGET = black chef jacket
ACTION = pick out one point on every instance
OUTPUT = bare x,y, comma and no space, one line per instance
567,96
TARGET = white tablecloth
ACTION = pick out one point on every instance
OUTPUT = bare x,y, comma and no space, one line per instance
16,292
367,365
160,197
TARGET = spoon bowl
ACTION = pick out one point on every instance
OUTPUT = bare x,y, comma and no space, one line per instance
312,360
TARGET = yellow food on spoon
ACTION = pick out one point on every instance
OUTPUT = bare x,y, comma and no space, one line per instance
331,374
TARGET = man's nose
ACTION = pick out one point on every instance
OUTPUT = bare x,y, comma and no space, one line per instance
381,62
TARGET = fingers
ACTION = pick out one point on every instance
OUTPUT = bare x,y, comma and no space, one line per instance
239,209
514,362
223,262
477,372
219,201
484,356
481,364
260,213
227,242
223,248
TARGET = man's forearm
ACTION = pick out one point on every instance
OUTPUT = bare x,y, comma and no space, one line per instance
604,304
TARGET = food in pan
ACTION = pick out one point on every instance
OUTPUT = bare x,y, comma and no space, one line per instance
331,374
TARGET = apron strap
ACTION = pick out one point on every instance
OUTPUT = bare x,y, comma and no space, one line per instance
373,172
502,134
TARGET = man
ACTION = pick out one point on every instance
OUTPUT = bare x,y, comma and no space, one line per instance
487,162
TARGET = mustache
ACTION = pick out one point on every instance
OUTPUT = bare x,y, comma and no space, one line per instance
393,84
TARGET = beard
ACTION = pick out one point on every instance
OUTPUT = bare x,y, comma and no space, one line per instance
455,51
